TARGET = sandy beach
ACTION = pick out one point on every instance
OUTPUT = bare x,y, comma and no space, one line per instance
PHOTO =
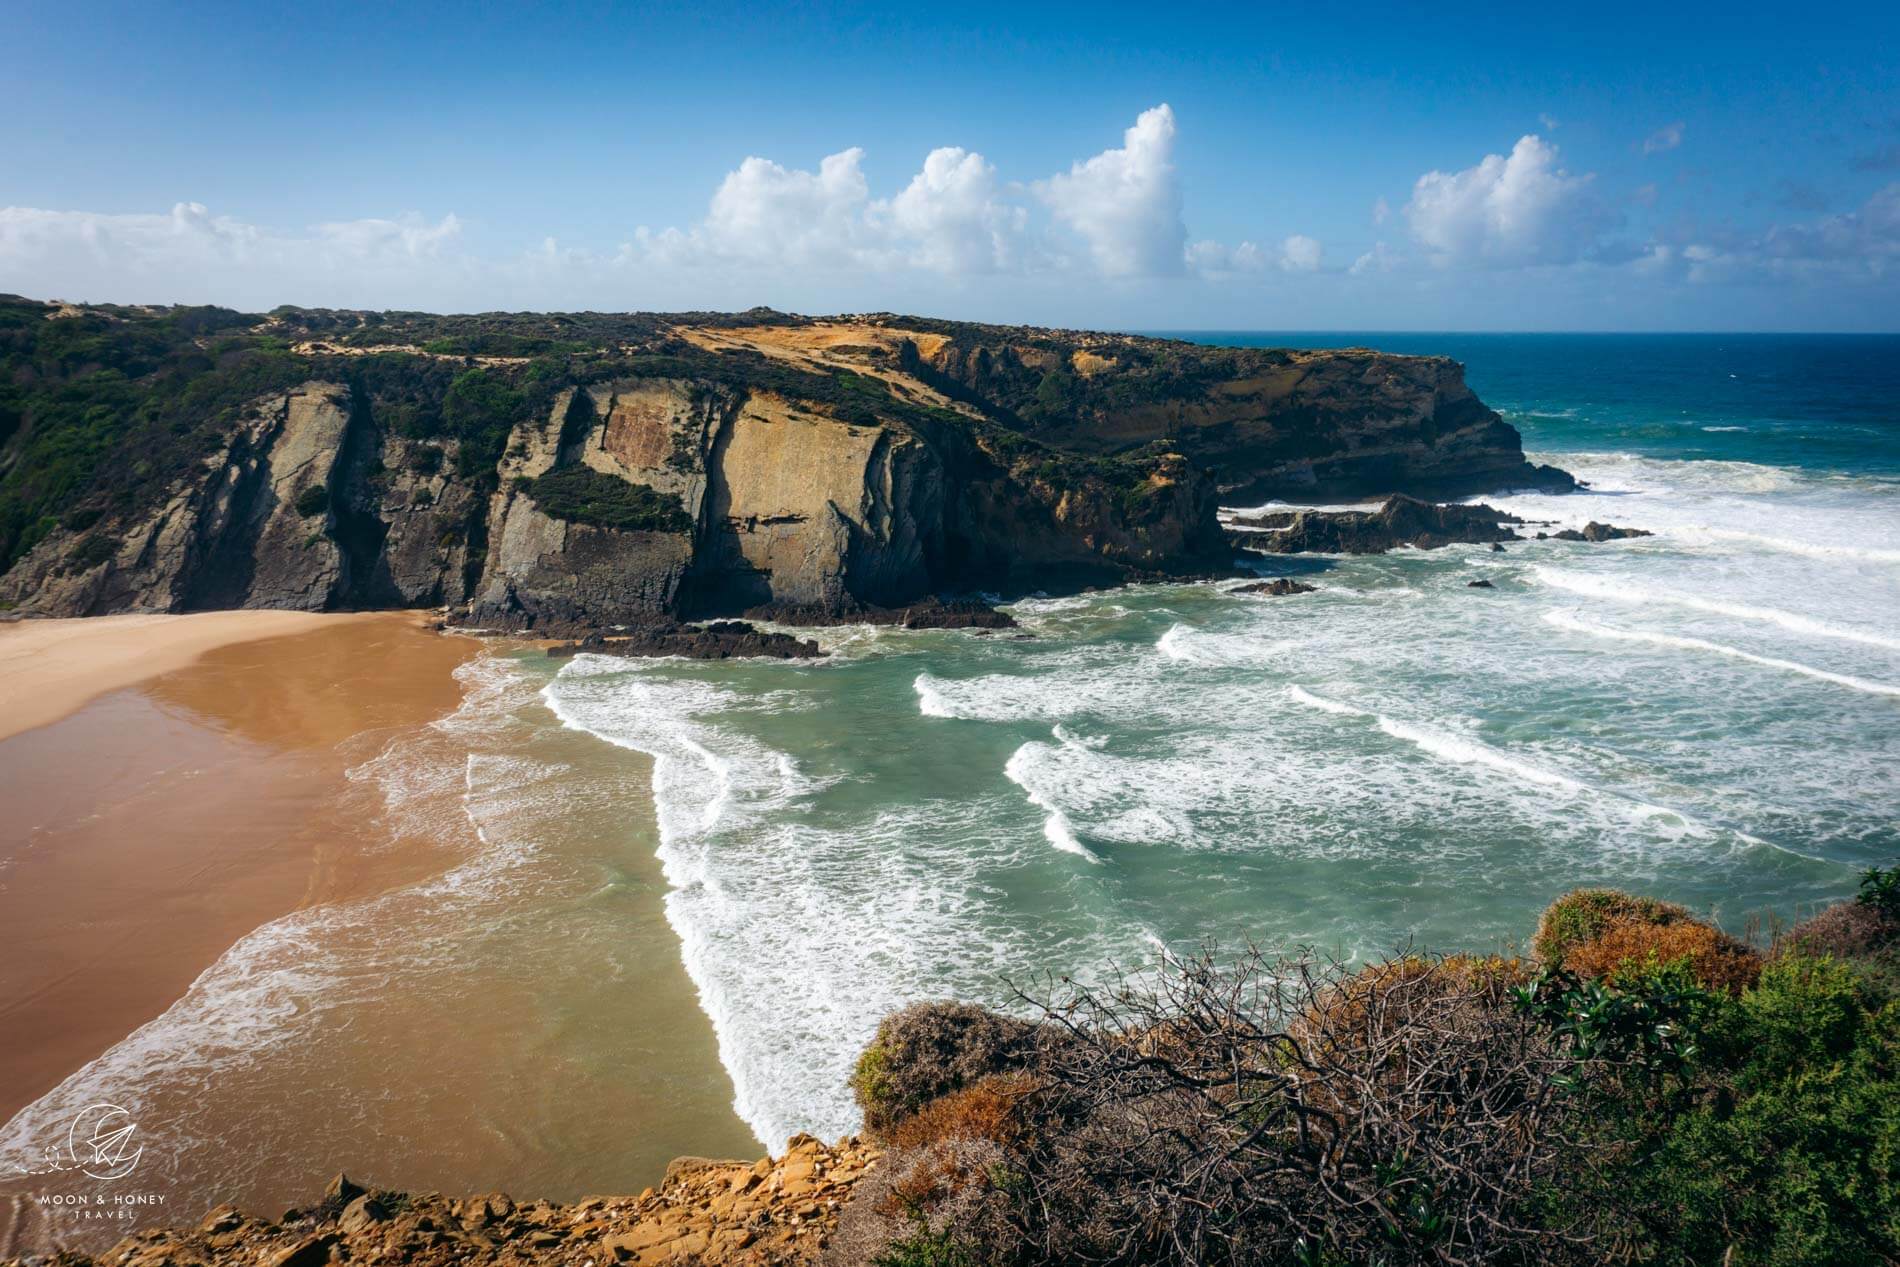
170,784
50,669
278,772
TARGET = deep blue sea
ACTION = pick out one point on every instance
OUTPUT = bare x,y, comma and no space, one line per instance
1822,402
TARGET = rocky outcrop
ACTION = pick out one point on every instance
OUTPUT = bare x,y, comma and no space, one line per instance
716,640
1401,521
1595,532
768,1213
306,506
932,613
1278,588
690,468
252,526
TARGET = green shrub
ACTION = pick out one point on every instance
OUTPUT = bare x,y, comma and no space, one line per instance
1787,1152
481,408
1880,889
925,1248
581,494
314,500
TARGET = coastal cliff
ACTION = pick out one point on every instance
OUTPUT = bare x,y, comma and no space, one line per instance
569,471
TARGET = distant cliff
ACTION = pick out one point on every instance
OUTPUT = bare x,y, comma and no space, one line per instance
581,469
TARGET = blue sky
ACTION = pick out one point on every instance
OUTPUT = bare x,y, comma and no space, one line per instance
1404,167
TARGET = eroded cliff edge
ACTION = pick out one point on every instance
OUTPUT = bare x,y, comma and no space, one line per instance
557,471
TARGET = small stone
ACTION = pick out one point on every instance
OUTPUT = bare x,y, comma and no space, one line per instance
308,1252
342,1190
641,1238
361,1214
492,1208
1479,585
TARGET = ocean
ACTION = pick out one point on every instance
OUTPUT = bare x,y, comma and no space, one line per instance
1710,715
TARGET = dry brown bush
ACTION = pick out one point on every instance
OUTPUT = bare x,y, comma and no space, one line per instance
944,1192
1582,914
1846,930
1355,1000
1401,1113
929,1050
988,1109
1625,947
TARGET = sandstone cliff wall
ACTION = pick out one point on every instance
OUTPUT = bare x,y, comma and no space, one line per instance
822,465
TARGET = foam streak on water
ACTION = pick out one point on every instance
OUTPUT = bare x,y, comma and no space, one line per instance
800,925
1564,620
1637,594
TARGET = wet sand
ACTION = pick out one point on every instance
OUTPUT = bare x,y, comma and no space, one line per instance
539,1036
151,829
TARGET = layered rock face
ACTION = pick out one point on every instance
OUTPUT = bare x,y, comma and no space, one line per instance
1270,423
669,468
285,515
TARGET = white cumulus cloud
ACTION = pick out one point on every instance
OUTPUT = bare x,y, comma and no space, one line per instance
191,255
1297,254
1514,209
1380,259
1125,204
763,212
1856,246
953,217
1300,254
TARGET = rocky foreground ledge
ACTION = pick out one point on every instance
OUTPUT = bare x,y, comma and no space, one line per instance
736,1213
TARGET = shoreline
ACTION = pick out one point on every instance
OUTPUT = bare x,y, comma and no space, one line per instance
180,810
52,668
162,825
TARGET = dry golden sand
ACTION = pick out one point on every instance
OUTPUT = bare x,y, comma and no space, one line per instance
49,669
152,828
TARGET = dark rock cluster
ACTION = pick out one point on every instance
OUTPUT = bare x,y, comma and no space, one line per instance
716,640
1279,586
1401,521
1594,531
929,613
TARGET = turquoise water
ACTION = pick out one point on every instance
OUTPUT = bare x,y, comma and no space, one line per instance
1711,715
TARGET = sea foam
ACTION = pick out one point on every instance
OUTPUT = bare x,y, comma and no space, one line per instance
1622,591
1564,620
1024,769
